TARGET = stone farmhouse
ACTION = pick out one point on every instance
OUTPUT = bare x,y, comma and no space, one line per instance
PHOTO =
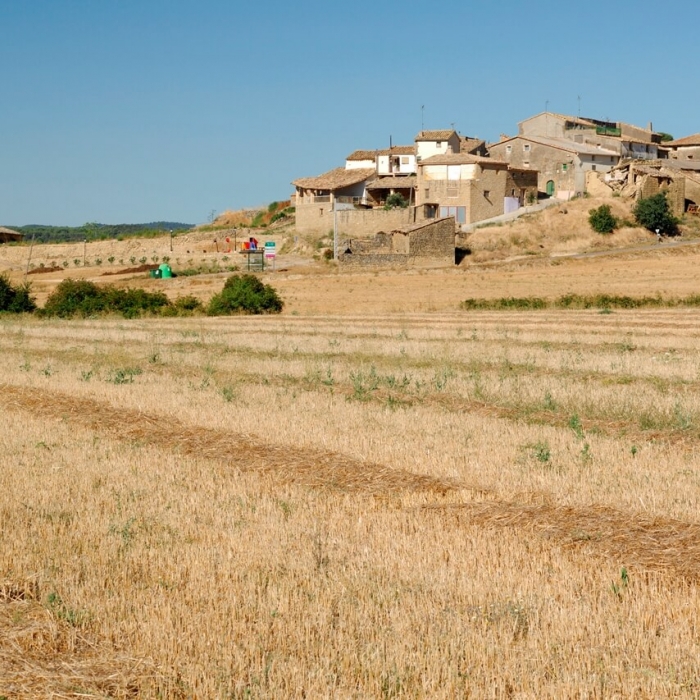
471,188
560,164
685,149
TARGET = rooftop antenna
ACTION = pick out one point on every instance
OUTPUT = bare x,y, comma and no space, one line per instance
579,106
422,120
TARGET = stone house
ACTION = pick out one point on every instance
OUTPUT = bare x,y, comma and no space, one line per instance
687,148
626,140
561,164
316,198
426,241
470,188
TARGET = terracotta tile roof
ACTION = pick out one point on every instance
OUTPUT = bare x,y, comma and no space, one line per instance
461,159
388,183
362,155
693,140
335,179
398,151
469,145
442,135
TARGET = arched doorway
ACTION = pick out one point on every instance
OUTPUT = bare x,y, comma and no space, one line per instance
550,188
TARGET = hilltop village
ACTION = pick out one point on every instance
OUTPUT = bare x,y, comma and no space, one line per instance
445,175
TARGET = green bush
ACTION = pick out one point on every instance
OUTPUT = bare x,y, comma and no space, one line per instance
16,300
654,213
245,294
396,201
602,219
82,298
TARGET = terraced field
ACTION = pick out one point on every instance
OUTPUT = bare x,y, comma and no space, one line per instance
440,505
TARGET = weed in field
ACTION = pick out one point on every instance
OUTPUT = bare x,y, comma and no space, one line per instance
539,451
441,378
73,617
549,404
229,393
576,425
619,587
586,455
87,375
364,383
124,375
682,419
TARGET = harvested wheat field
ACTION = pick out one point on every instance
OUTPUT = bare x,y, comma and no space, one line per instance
417,505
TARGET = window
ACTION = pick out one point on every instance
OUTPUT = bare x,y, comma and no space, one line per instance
487,193
459,213
526,147
427,192
438,144
594,167
592,158
509,148
564,167
526,164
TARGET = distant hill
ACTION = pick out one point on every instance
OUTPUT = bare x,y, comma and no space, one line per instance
97,232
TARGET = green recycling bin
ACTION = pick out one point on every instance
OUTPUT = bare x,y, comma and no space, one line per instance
165,271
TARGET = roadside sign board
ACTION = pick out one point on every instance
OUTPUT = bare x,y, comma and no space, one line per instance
270,249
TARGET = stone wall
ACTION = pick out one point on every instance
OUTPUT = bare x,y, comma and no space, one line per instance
373,260
434,240
317,218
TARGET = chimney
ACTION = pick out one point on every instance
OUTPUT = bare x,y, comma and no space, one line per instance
651,127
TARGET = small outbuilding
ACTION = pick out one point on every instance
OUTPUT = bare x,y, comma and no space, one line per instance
7,235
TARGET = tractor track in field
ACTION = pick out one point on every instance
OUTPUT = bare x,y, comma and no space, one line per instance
633,539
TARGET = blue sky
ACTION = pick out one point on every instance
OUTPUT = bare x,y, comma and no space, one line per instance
126,111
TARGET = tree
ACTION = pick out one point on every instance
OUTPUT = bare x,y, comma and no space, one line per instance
396,201
654,213
665,136
602,219
245,294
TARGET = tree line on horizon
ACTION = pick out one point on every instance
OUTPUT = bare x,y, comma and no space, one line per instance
97,232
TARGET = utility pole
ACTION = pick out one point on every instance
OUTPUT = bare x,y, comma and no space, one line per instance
335,230
171,240
31,246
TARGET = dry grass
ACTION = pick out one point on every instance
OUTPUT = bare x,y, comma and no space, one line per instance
403,505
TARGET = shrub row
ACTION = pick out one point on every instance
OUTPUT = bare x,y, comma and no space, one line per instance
579,301
81,298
